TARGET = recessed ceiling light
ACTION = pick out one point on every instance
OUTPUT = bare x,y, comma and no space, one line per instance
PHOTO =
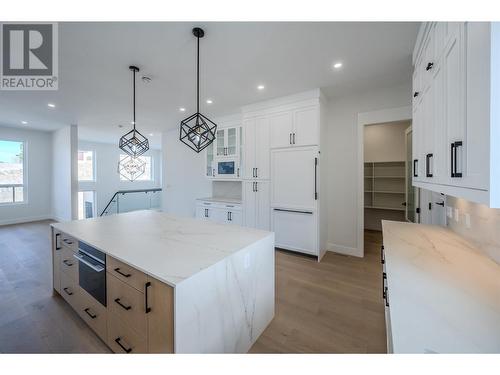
209,101
51,105
151,134
182,109
261,87
337,65
24,122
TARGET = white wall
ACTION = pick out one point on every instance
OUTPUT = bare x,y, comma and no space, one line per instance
64,173
342,144
38,176
107,180
183,172
385,142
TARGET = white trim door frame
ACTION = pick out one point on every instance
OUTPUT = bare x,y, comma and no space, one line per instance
371,118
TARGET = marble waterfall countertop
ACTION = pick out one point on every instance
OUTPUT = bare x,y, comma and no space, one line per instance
166,247
444,293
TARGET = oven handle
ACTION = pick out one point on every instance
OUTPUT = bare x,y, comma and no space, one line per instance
97,268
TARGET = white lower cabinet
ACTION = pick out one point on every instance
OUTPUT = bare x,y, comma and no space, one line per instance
256,198
295,230
219,212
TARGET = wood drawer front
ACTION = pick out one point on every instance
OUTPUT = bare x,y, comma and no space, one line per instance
69,242
69,265
94,314
125,273
127,304
69,290
120,333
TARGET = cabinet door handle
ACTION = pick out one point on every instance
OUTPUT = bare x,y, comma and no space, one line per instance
290,140
58,236
315,178
293,138
429,66
68,291
382,257
384,288
415,94
455,147
117,300
67,262
256,172
256,187
213,172
126,350
117,270
146,295
238,172
386,292
92,316
415,167
428,172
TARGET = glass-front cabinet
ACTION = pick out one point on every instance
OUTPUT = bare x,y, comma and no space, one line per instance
223,156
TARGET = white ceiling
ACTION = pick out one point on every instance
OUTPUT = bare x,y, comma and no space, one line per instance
95,83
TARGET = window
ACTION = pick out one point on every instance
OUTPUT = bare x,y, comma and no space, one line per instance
86,166
148,173
12,172
86,206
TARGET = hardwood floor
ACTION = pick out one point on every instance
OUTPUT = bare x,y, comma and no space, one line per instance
330,307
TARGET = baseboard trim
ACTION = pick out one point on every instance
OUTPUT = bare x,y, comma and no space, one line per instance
29,219
346,250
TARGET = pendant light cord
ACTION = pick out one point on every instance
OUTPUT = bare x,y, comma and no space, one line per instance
134,99
198,76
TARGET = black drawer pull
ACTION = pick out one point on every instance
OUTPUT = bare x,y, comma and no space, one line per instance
67,262
415,167
428,158
429,66
117,300
117,270
68,291
93,316
69,242
382,258
384,288
146,302
415,94
126,350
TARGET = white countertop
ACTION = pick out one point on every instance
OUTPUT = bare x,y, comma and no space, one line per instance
164,246
444,293
220,200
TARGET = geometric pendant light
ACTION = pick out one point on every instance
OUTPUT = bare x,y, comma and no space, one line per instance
132,167
134,143
197,131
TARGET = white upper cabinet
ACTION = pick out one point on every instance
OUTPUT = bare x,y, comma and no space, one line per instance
223,155
228,142
455,108
295,127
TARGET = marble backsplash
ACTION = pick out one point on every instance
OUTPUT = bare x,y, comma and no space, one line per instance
226,189
484,228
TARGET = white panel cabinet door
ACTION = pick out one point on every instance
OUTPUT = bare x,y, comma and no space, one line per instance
306,127
235,218
249,140
263,205
281,129
249,204
440,154
295,231
262,148
293,183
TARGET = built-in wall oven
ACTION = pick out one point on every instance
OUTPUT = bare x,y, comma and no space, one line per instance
92,271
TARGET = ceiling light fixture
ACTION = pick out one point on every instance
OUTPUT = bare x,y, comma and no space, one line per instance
337,65
134,143
182,109
209,101
261,87
131,167
197,131
24,122
51,105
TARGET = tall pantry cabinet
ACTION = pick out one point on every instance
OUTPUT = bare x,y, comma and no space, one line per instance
282,171
456,110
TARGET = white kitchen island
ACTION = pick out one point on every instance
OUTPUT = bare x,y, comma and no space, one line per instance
222,276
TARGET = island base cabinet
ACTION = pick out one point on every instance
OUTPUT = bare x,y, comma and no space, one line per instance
56,260
160,317
69,290
123,339
93,313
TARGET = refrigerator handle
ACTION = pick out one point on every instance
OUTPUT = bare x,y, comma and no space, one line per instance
315,178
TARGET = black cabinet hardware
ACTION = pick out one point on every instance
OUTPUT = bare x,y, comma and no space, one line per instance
415,167
293,138
295,211
117,270
58,235
257,172
68,242
146,295
429,66
428,158
315,178
386,296
440,204
126,350
67,262
68,291
117,300
206,212
256,186
403,204
238,172
417,210
213,172
415,94
453,161
382,257
384,288
290,141
92,316
430,206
